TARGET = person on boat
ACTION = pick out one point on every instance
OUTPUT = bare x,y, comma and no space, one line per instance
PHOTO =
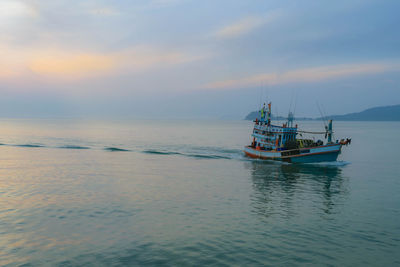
253,144
348,141
343,142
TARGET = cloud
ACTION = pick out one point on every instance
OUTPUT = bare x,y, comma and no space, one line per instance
5,72
163,3
104,11
63,63
143,58
246,25
14,9
306,75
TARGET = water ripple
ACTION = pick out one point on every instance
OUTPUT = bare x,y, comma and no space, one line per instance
116,149
30,145
74,147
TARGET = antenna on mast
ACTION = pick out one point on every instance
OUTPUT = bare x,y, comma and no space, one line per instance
291,102
322,115
295,104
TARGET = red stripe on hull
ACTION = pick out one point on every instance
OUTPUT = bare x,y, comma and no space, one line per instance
251,155
259,157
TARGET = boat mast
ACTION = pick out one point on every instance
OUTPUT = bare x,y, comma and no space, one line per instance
290,119
330,131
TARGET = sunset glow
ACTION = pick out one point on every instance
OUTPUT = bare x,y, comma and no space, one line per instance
156,49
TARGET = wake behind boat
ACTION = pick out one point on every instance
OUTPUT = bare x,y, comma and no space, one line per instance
281,143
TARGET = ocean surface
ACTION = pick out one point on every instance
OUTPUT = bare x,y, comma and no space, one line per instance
181,193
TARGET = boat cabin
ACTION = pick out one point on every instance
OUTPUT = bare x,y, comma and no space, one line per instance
273,137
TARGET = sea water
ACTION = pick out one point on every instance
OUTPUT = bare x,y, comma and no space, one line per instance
109,193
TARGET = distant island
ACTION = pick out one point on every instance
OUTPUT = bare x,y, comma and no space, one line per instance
385,113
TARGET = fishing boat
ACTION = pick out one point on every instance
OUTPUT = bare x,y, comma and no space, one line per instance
280,142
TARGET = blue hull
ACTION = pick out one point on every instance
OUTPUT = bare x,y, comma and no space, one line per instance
315,158
302,155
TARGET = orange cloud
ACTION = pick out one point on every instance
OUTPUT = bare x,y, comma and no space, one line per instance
65,64
6,72
303,75
61,63
246,25
240,27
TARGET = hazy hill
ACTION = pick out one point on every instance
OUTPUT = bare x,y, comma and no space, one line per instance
385,113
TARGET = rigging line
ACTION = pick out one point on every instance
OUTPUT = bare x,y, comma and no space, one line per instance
323,110
322,116
295,104
291,102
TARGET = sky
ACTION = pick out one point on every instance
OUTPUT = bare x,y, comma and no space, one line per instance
196,59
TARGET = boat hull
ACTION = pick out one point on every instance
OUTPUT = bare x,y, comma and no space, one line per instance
303,155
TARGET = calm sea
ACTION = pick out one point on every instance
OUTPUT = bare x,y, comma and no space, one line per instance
181,193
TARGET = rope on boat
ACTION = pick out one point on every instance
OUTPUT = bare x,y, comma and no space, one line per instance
299,131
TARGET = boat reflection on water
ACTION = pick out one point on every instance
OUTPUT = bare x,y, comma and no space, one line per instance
289,189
